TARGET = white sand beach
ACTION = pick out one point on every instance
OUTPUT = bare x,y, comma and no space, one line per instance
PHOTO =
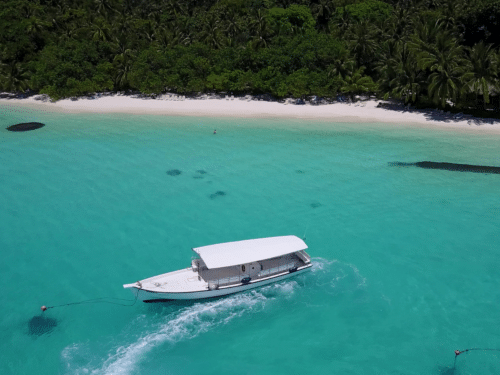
251,107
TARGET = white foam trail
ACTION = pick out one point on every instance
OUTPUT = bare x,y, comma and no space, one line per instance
321,264
185,324
330,273
362,282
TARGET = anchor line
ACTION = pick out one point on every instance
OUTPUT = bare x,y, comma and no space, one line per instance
458,352
100,300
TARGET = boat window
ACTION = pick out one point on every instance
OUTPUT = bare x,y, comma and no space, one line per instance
243,268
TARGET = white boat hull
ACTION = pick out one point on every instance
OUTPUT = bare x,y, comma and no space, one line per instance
155,296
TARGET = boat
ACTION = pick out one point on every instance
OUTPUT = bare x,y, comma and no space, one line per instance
227,268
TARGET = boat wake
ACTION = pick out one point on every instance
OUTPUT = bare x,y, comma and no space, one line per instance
334,275
178,323
183,324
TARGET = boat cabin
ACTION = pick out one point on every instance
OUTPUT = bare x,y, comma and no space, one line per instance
232,263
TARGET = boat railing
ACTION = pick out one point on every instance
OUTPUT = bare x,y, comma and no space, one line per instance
264,273
303,256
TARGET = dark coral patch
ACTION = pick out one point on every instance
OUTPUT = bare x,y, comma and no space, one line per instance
299,171
449,166
217,194
174,172
201,171
458,167
25,126
315,205
39,325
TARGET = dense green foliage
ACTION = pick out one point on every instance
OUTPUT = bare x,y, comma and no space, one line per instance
424,52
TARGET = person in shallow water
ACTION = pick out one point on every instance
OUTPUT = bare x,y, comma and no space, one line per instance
215,131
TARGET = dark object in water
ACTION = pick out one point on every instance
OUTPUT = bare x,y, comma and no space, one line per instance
450,166
217,194
458,167
245,280
201,171
174,172
25,126
40,325
299,171
315,205
198,177
293,269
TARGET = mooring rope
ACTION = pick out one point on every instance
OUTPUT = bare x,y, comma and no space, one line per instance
458,352
97,300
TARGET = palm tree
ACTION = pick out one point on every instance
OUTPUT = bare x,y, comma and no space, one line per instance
175,8
425,34
233,26
401,25
324,8
211,33
357,83
149,30
177,32
13,77
260,30
98,28
344,22
482,75
122,48
444,59
452,10
123,64
35,26
123,24
401,76
105,6
322,12
362,40
342,66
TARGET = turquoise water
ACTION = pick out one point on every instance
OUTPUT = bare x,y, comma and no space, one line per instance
405,259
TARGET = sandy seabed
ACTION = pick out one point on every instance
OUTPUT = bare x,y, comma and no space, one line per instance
250,107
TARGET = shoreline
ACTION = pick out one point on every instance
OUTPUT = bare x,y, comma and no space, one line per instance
363,111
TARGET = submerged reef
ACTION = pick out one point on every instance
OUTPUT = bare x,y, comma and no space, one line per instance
217,194
449,166
174,172
25,126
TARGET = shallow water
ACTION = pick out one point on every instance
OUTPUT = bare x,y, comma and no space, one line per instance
405,259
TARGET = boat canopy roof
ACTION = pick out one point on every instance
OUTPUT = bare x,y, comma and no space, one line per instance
242,252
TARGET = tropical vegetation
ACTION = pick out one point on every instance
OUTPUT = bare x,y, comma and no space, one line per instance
443,53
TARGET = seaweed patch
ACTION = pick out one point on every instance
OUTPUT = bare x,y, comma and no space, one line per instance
39,325
25,126
217,194
174,172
